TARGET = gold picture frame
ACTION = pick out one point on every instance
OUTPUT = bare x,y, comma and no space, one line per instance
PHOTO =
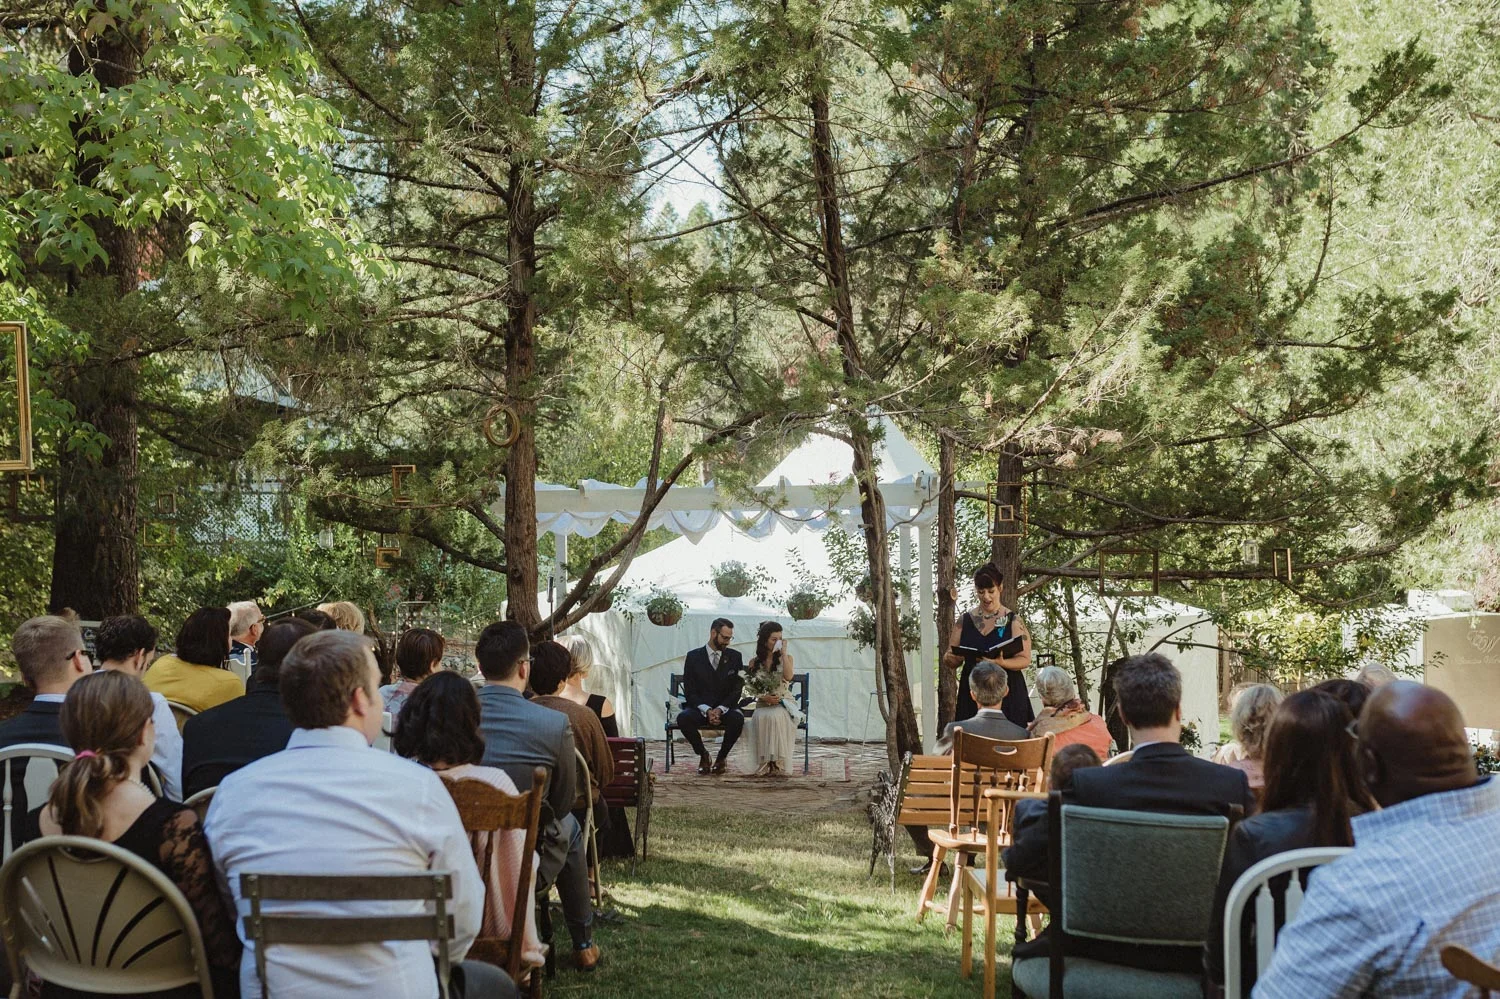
1006,521
23,461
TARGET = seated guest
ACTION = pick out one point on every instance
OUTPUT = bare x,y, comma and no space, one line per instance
439,728
128,643
989,685
1425,870
615,841
195,675
711,689
1160,776
246,624
219,741
419,654
316,618
550,665
108,718
50,656
520,735
1313,788
1065,715
1026,857
1374,676
1352,693
1248,719
345,615
331,804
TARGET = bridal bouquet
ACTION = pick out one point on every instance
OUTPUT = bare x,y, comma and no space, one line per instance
760,682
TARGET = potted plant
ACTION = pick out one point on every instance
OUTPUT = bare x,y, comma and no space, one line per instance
804,605
663,608
604,604
735,578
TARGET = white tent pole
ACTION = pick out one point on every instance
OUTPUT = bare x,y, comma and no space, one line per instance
560,565
927,612
903,556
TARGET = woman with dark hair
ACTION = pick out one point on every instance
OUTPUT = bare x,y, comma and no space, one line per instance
195,674
987,632
773,726
439,728
1354,693
107,718
1313,787
419,654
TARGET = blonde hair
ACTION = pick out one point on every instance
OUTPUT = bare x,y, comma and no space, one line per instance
581,653
1055,686
101,719
41,646
1250,716
346,615
1374,675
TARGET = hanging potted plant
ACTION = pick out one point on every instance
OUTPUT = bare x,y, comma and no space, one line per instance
663,608
735,579
804,605
603,605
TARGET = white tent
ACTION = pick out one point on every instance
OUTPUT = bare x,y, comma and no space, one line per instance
640,656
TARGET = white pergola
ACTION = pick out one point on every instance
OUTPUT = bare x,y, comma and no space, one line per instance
812,488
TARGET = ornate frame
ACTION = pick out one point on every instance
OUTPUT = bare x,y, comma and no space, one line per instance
23,462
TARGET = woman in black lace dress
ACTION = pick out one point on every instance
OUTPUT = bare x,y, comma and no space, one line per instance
107,718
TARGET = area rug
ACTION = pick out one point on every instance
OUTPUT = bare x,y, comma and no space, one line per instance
686,766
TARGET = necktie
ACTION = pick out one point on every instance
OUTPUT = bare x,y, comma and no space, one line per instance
713,658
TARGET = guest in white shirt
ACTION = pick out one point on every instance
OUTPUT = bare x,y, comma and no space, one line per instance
128,643
330,804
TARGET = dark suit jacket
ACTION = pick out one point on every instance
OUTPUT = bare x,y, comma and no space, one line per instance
989,723
38,723
519,735
1026,857
222,739
702,684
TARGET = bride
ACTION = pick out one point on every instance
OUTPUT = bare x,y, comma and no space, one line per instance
773,726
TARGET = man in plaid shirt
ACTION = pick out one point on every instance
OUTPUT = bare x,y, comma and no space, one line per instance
1425,870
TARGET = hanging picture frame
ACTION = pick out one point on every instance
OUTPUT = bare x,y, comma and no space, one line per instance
15,400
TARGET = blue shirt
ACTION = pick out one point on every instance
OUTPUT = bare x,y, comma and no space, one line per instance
1423,873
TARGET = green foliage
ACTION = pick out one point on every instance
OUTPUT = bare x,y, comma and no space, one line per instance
735,579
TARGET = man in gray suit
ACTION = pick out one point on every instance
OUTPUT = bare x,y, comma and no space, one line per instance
520,735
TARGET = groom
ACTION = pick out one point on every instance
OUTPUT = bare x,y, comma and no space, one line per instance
712,685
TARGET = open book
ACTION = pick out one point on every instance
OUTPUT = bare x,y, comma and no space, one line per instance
1000,650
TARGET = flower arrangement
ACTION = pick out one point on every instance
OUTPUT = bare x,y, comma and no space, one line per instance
760,682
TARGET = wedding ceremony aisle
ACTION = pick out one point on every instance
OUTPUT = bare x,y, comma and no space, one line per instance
759,888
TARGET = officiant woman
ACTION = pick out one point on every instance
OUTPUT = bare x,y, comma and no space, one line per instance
988,624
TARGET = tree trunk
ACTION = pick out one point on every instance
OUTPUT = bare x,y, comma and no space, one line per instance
1005,552
902,734
947,573
95,562
1075,646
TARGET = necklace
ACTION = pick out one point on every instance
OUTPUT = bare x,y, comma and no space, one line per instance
980,615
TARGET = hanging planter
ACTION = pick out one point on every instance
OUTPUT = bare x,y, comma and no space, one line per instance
664,608
604,604
735,579
804,605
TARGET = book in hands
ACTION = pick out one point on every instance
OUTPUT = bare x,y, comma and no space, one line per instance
1002,650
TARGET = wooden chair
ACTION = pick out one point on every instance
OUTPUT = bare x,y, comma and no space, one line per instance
486,812
1467,966
999,809
1254,887
200,801
976,765
181,712
798,686
27,771
633,787
263,929
585,801
88,915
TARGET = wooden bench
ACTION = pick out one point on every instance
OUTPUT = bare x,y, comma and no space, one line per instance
798,686
633,787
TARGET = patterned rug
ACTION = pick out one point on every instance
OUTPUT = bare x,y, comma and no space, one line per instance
685,767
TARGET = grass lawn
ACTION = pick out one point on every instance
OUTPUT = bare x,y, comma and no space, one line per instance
742,903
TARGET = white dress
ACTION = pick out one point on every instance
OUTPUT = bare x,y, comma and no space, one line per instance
773,731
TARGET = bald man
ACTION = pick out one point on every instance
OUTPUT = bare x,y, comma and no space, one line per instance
1425,870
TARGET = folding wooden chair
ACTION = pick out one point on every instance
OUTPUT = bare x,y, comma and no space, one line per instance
486,812
633,787
1467,966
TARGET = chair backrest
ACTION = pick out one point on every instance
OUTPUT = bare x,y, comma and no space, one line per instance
1136,877
1120,758
181,713
979,763
240,666
383,740
199,801
798,686
925,791
88,915
264,929
630,773
1254,888
486,812
674,687
585,798
28,768
1469,967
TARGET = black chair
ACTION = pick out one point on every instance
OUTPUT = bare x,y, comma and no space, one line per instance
798,686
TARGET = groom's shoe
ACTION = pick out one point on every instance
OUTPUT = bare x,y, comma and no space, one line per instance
705,763
924,869
587,958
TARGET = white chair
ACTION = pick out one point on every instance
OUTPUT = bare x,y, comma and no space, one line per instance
40,762
1254,886
383,740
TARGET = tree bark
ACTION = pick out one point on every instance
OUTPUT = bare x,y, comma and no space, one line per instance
902,734
95,561
947,573
1005,552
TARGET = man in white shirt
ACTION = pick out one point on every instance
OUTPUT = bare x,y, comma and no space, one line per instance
128,643
330,804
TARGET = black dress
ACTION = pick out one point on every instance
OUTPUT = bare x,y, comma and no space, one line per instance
1017,703
168,836
614,839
